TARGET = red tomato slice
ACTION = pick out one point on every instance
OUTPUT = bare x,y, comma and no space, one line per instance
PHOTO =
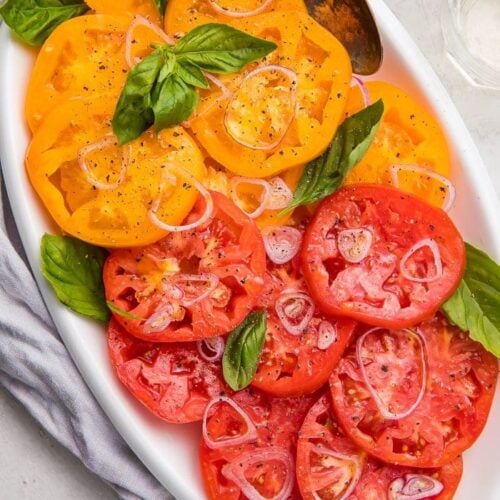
262,460
330,465
171,380
433,426
223,260
383,288
293,365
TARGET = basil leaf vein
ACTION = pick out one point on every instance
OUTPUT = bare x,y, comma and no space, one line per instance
34,20
74,270
475,305
243,348
324,175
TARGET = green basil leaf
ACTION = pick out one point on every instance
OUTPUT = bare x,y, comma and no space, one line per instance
475,305
34,20
74,270
191,74
243,349
174,102
134,114
324,175
121,312
161,6
220,48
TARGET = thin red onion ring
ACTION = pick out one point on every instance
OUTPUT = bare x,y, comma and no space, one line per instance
414,487
159,320
327,335
286,312
323,450
212,279
235,14
209,204
293,97
250,435
235,471
137,21
215,345
364,91
264,197
282,243
89,177
451,191
226,94
281,195
354,244
438,263
383,410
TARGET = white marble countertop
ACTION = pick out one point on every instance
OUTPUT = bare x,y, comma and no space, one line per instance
33,466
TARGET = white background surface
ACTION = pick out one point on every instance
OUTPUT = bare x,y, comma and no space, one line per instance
33,466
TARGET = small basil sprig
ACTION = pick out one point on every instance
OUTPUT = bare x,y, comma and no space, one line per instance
34,20
242,352
161,89
74,270
475,305
324,175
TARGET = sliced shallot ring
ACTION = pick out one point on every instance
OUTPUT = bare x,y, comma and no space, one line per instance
327,335
264,197
209,204
137,21
235,13
323,450
451,191
215,345
402,489
281,195
235,471
354,244
284,317
211,278
250,435
159,320
282,243
226,94
364,91
438,263
89,177
293,97
383,410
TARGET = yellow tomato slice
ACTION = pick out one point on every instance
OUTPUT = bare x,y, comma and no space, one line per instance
184,15
258,109
116,217
147,8
408,135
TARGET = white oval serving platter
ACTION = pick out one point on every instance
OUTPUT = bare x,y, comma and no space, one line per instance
169,451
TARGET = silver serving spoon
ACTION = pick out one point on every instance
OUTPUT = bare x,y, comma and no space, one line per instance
351,21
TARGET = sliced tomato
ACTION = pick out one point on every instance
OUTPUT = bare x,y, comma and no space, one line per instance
266,462
390,286
407,414
330,466
193,284
172,380
296,364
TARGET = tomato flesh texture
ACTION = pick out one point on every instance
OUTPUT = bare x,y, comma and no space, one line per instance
293,365
330,476
375,290
277,421
461,379
171,380
145,281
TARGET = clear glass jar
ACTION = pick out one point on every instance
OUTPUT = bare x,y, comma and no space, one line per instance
472,36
